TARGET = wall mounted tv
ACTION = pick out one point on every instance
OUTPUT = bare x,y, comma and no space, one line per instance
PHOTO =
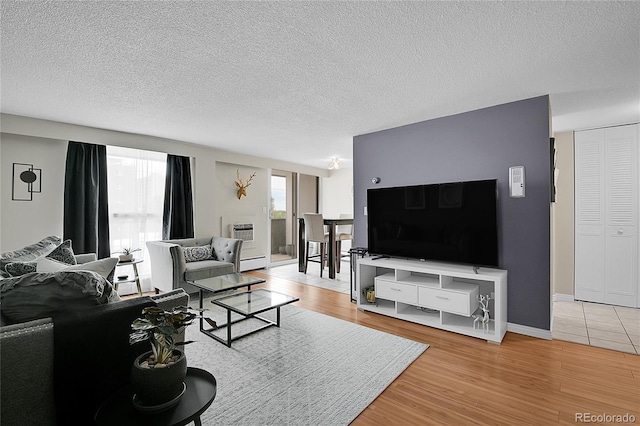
452,222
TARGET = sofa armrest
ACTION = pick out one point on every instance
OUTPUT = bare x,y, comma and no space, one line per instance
170,300
93,356
227,250
167,265
26,379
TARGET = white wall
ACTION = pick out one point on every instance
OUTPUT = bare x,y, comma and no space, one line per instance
337,193
25,222
252,208
563,217
43,143
337,198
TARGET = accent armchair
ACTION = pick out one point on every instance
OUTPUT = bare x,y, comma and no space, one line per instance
174,262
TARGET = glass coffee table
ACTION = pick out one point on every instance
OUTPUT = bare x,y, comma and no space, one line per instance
248,305
222,284
226,282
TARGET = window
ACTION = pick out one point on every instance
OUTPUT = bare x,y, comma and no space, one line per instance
136,180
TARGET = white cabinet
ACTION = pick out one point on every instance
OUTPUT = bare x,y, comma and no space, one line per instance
462,300
435,294
393,290
606,216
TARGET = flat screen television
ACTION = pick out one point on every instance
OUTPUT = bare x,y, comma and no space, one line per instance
451,222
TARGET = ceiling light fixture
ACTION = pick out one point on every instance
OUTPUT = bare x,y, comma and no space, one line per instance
334,164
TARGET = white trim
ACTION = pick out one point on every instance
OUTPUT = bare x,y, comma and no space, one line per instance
252,263
559,297
529,331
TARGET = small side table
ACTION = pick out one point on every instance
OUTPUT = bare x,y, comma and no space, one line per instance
201,391
136,277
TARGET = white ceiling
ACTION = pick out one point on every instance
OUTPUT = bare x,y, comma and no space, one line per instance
297,80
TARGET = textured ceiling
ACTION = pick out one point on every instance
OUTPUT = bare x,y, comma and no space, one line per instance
297,80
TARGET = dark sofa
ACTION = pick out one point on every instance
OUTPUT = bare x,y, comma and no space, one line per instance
59,369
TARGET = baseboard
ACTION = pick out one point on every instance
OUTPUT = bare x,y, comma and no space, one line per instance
558,297
529,331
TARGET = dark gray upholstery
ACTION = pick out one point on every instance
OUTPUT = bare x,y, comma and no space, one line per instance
93,357
26,378
27,364
206,269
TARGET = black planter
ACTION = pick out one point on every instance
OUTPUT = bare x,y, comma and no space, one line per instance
158,386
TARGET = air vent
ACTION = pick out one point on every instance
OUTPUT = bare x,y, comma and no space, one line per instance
242,231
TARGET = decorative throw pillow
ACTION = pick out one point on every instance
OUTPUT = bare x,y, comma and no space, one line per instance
105,267
195,254
44,264
63,253
30,252
39,295
15,269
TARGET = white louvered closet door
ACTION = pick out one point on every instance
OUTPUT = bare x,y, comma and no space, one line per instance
606,221
589,219
621,269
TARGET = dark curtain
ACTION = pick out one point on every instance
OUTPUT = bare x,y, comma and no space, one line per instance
86,209
177,219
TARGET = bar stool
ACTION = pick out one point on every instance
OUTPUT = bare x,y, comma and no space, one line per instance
314,233
343,233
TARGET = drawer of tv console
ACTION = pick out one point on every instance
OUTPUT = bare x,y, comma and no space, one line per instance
456,302
392,290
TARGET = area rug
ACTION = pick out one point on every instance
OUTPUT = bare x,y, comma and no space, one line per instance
313,370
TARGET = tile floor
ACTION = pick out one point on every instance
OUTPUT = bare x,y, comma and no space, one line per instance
312,277
594,324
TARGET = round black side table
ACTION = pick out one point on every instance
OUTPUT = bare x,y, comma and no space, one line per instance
200,393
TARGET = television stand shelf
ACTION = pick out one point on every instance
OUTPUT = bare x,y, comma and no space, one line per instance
439,295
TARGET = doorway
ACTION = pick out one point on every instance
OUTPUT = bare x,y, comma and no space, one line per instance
282,215
290,192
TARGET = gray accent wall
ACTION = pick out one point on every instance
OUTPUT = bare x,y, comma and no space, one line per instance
475,145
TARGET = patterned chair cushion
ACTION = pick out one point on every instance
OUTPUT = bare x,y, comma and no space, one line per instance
198,253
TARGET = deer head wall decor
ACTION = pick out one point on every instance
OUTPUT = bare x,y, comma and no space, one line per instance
242,186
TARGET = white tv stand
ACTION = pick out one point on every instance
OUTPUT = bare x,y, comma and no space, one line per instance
436,294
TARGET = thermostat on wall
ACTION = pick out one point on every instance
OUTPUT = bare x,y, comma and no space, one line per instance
516,181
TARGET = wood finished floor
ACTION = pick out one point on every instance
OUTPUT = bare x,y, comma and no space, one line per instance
461,380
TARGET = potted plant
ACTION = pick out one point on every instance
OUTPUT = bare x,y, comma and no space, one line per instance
126,254
157,376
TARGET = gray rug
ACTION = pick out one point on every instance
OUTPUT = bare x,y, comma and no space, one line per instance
313,370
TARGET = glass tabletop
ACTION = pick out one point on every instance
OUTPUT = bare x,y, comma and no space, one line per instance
254,302
226,282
